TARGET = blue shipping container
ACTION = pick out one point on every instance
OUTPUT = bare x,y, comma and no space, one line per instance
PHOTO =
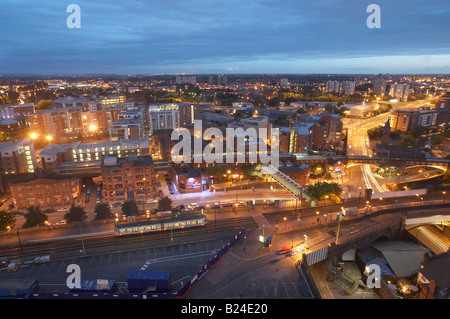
92,286
140,281
18,288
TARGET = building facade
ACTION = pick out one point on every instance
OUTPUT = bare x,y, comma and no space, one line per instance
406,119
171,115
17,157
54,155
127,178
45,192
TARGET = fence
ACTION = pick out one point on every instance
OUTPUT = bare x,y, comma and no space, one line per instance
316,256
179,294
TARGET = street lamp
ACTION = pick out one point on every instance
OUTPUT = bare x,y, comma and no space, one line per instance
18,237
284,218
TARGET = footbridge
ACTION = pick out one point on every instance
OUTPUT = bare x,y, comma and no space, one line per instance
427,220
297,190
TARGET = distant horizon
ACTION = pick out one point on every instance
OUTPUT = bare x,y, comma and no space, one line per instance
204,74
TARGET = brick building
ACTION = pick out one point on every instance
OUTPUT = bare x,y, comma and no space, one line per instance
126,178
45,191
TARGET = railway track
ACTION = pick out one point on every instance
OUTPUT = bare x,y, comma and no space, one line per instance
66,246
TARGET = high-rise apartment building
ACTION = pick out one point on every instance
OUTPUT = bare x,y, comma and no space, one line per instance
345,87
400,91
348,87
379,86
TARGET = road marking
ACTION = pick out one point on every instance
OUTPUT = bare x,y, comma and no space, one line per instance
178,257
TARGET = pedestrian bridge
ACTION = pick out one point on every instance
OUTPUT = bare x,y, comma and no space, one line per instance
287,183
433,220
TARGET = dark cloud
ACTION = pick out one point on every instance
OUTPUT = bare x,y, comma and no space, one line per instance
140,36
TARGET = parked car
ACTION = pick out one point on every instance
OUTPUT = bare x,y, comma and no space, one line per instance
12,267
215,206
62,209
118,204
194,205
62,222
159,184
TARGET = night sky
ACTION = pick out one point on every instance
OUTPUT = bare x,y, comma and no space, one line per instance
227,36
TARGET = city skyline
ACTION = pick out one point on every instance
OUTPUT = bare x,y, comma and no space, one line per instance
330,37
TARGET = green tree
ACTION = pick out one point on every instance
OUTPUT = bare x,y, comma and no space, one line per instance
165,204
409,140
418,131
34,217
395,134
343,110
376,132
44,105
103,211
75,214
437,140
7,220
329,108
321,190
130,208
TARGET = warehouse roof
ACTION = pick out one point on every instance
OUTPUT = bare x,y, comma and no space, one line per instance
403,257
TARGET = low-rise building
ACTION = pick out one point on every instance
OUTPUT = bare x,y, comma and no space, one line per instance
127,178
45,191
434,276
55,154
188,179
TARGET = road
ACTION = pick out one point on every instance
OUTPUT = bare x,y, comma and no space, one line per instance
432,238
358,144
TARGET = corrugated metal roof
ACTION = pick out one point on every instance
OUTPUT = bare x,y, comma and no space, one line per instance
403,257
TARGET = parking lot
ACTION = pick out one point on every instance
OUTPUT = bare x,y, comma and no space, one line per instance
183,260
